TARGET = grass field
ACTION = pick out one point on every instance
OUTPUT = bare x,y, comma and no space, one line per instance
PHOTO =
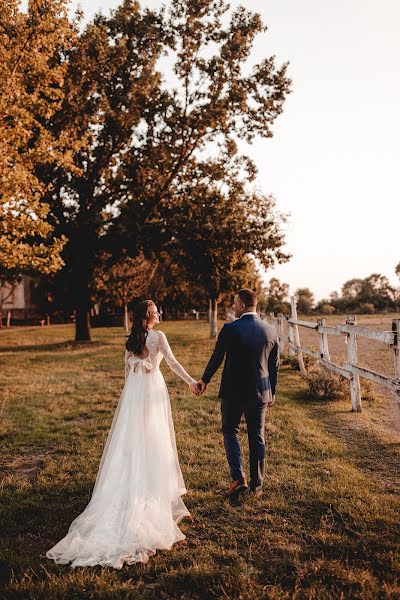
326,528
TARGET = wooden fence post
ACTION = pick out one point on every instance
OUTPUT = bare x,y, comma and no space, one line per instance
396,347
281,333
272,321
323,342
291,340
352,359
297,336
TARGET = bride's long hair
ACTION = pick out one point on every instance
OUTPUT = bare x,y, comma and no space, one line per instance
137,337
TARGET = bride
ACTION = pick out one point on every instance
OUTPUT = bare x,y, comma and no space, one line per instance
136,501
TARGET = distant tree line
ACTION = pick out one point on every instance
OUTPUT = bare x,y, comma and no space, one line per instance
364,296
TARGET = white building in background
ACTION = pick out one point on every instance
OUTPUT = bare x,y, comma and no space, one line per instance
17,299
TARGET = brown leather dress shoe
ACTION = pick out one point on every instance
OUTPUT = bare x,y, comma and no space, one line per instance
236,488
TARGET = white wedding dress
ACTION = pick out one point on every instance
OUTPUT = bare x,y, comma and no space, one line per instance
136,501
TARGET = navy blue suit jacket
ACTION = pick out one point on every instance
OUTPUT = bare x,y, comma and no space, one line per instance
252,360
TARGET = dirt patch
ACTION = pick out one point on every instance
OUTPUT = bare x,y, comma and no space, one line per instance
385,414
379,458
374,448
23,467
79,419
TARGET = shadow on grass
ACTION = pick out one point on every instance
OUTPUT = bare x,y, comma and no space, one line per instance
298,396
68,345
372,453
215,561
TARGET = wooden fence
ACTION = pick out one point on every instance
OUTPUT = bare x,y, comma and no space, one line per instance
289,340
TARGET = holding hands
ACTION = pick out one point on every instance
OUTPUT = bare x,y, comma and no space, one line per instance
198,388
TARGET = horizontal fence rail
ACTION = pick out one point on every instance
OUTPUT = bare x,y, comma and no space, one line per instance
289,339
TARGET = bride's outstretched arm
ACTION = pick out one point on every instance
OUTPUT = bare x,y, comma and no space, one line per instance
175,365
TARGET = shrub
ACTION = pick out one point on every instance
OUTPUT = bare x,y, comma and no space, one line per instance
367,391
327,309
293,363
325,385
366,308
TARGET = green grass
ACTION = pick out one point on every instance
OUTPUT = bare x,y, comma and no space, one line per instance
327,526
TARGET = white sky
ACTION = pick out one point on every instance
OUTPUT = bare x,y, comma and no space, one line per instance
333,162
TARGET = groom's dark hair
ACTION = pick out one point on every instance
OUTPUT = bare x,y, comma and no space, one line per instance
248,297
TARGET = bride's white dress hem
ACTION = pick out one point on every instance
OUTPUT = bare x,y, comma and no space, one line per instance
136,503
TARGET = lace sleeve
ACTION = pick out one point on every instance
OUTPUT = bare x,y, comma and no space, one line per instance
176,367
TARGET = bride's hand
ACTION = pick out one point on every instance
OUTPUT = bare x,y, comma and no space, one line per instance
194,389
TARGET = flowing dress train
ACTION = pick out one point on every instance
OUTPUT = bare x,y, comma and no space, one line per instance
136,503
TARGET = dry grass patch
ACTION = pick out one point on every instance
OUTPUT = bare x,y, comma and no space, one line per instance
327,526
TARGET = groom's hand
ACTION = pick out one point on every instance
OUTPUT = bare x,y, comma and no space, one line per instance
201,386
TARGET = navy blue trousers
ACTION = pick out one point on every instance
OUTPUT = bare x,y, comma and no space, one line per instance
254,413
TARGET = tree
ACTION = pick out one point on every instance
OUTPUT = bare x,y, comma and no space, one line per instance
366,308
175,288
397,293
277,295
377,290
374,290
220,230
172,287
352,289
305,300
31,91
324,307
138,137
359,294
109,83
124,281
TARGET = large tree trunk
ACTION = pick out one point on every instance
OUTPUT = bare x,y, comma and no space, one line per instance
126,317
82,267
214,318
82,322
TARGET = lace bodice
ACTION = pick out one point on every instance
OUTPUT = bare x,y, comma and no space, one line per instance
158,348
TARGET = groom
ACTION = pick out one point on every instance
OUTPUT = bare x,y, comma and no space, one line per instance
248,385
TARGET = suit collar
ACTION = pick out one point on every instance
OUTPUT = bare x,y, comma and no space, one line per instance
248,314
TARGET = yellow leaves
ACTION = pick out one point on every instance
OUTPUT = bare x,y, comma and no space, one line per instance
31,90
24,256
127,279
23,225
